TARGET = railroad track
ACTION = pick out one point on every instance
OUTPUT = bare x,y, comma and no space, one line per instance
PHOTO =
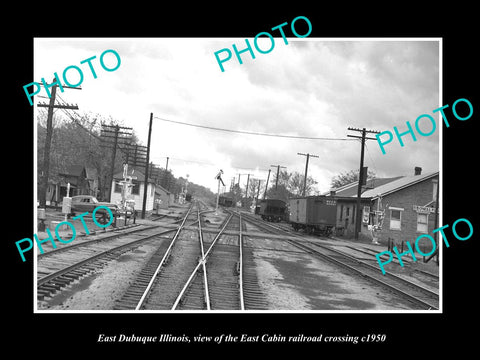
230,272
58,268
422,297
198,272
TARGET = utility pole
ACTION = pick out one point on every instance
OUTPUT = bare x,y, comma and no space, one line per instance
266,184
258,191
145,187
358,221
306,171
278,173
112,163
139,154
48,139
246,189
116,133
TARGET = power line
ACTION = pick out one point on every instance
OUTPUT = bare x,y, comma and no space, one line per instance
371,159
251,132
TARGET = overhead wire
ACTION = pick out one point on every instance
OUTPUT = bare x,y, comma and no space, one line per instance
250,132
371,159
206,163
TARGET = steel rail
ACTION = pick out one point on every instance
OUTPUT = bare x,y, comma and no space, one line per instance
371,278
351,268
116,234
147,290
374,268
67,269
200,262
205,281
240,280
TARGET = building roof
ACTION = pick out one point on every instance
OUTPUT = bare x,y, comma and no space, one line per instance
398,184
91,173
73,170
134,172
159,187
351,188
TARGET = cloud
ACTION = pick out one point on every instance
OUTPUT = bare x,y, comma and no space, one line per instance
310,87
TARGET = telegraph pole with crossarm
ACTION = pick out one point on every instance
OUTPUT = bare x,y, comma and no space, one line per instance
306,171
278,174
48,140
361,180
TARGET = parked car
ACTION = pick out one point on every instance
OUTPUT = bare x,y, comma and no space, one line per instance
84,203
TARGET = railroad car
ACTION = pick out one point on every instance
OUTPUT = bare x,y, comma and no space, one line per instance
272,210
225,200
314,214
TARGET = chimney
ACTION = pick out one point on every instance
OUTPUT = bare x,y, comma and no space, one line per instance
418,170
332,192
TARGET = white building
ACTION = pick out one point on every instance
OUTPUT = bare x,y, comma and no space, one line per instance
138,180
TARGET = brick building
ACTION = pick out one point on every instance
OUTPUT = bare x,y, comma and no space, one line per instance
405,208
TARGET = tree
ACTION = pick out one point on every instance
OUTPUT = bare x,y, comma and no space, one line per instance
348,177
254,187
283,178
236,193
201,192
280,193
296,184
76,140
293,183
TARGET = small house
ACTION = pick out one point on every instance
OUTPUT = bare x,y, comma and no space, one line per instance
137,190
76,175
346,197
163,198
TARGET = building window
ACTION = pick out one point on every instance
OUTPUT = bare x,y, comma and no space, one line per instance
135,187
341,212
395,218
118,187
435,188
422,223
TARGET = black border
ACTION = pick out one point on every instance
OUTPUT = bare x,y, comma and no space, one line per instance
405,332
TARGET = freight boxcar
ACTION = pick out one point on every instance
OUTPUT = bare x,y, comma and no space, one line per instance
314,214
272,210
225,200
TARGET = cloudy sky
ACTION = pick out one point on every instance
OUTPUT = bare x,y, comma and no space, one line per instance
311,87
